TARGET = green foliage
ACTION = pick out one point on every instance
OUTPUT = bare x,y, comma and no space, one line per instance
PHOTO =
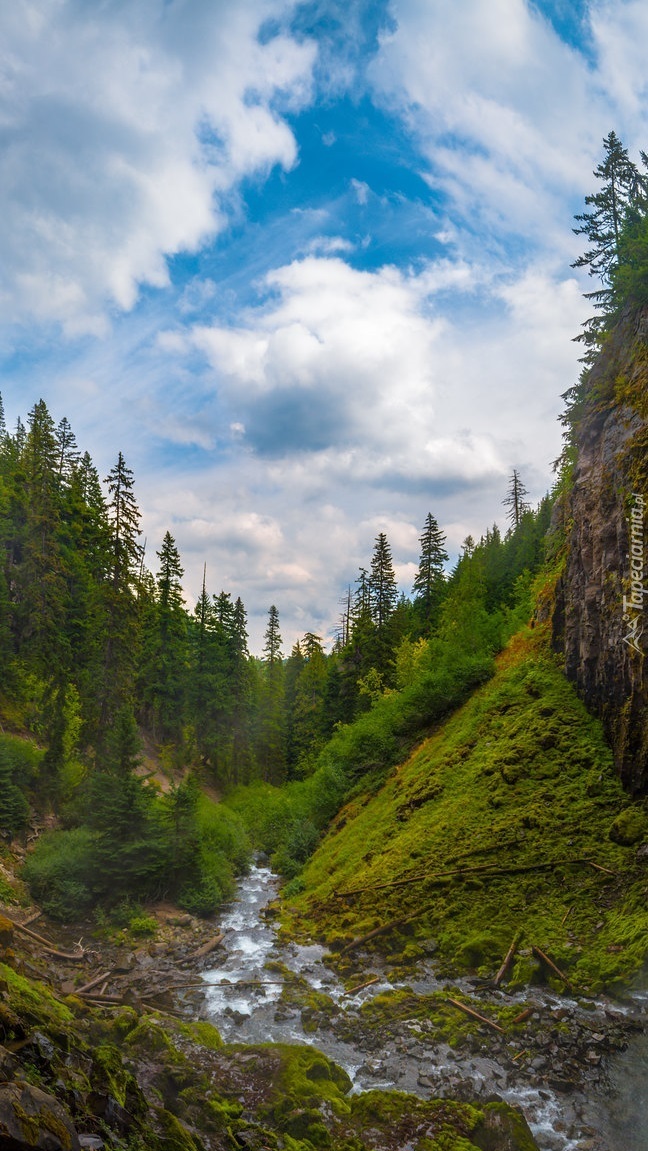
520,777
59,872
14,809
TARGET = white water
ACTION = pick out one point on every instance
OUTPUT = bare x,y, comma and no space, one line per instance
242,999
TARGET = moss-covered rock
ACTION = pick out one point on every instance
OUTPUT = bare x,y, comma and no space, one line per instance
629,827
30,1118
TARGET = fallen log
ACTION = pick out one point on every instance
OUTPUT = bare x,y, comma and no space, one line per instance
32,918
552,966
93,983
483,869
71,956
96,998
361,986
30,934
475,1014
210,945
373,934
507,960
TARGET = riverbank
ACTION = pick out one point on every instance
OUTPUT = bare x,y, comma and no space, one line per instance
255,1005
89,1061
553,1056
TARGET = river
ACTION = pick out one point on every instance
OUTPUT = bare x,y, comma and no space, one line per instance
243,998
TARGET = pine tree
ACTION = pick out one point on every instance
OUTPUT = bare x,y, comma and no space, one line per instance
383,591
515,501
610,206
271,738
122,632
429,582
164,641
68,452
40,599
616,229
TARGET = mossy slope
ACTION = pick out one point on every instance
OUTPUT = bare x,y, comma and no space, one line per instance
520,778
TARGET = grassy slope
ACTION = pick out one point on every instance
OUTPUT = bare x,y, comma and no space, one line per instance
520,776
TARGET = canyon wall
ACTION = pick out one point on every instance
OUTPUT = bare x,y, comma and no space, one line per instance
600,618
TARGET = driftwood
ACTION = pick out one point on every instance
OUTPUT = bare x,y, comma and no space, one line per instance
95,997
31,918
552,966
475,1014
72,956
361,986
212,943
372,934
483,869
30,934
507,960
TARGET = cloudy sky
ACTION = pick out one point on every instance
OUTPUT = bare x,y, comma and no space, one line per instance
306,264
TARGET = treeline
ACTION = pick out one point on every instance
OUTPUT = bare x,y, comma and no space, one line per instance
615,224
97,651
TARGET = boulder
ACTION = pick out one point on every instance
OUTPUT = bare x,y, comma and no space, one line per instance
31,1119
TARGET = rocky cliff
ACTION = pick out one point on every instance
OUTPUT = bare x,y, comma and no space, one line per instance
601,612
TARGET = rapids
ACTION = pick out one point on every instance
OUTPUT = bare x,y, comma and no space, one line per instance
243,999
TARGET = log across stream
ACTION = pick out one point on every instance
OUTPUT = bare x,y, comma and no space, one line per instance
246,998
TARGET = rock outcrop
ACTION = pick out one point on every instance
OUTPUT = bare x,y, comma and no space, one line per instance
601,612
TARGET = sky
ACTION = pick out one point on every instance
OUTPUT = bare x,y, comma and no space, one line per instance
307,265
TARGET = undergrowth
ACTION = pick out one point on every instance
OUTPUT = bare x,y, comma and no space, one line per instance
517,794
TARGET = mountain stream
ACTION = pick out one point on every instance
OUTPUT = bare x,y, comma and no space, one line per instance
243,998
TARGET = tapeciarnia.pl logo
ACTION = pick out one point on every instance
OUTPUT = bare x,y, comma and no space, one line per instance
633,604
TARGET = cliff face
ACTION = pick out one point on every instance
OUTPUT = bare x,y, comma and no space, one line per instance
601,614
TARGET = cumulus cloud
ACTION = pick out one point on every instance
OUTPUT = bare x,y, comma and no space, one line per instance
510,116
124,129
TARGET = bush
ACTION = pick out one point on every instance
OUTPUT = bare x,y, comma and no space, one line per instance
222,830
59,872
212,884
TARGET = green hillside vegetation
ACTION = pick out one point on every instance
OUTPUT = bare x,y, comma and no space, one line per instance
508,820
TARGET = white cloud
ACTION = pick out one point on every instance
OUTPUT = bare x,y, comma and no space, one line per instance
124,130
509,115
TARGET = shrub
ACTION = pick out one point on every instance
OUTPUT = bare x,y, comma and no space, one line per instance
59,872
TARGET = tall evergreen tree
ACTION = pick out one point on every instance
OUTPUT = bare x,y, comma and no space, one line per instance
164,643
429,582
515,500
383,591
271,737
122,634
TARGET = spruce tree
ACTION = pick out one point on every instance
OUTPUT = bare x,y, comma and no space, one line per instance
122,631
515,500
383,591
271,738
429,582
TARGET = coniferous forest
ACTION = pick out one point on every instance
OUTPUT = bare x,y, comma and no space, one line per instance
110,672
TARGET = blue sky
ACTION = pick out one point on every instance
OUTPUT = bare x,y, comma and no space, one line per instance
306,265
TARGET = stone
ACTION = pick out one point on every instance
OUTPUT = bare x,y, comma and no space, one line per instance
6,932
34,1121
588,622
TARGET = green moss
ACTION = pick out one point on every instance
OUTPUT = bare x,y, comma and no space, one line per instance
34,1000
629,827
175,1135
201,1032
490,857
150,1035
111,1073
